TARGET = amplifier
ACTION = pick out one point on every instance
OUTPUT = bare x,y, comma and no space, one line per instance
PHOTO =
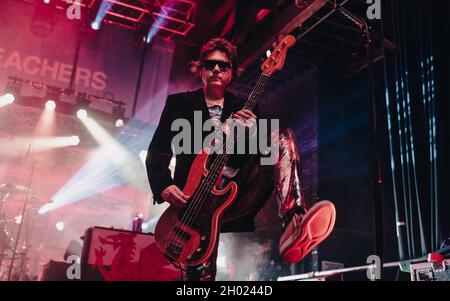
120,255
431,271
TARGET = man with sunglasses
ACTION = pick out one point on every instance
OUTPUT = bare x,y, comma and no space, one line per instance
217,66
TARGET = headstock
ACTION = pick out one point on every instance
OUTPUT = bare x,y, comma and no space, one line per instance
277,58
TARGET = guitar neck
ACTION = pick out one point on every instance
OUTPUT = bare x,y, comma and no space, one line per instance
272,64
257,91
222,159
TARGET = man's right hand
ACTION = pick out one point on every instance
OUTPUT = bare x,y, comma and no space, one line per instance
174,196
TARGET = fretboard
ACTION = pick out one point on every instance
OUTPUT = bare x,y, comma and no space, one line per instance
222,158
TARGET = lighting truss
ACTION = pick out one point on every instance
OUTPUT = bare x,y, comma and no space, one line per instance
175,17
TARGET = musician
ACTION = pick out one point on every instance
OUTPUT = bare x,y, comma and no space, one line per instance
217,66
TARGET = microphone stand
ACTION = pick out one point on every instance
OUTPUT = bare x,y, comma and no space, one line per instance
24,208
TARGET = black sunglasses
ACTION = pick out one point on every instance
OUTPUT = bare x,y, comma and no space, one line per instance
211,64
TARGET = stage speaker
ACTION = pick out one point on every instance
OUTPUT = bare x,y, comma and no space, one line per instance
120,255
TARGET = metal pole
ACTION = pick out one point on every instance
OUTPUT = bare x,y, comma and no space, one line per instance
377,180
25,203
138,84
77,55
330,273
376,163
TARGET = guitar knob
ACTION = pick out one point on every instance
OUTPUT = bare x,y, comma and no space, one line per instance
203,237
199,249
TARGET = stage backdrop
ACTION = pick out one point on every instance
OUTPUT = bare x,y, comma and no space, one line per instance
40,45
33,48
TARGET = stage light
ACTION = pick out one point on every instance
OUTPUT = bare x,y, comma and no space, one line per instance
74,140
59,226
154,30
6,99
12,91
9,97
47,121
159,22
83,102
119,113
52,95
50,105
95,25
82,114
47,1
18,219
102,11
119,123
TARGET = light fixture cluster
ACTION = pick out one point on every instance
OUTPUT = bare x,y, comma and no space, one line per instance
53,95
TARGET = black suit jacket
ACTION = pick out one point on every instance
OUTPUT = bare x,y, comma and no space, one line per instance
160,153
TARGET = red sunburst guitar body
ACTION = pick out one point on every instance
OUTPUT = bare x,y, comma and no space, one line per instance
189,235
191,242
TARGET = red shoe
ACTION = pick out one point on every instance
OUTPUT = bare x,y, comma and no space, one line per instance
305,232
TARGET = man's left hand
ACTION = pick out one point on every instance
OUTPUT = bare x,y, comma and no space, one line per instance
246,117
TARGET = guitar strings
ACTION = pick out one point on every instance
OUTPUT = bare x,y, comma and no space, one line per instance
219,161
199,197
211,178
196,202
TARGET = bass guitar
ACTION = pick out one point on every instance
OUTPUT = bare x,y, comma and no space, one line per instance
188,235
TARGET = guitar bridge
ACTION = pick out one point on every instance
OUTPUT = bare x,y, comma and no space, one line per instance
173,251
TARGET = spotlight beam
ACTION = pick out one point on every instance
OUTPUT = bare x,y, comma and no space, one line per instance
109,166
116,162
110,147
17,146
158,24
105,7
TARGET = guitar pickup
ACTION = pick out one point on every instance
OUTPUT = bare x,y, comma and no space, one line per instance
174,250
182,234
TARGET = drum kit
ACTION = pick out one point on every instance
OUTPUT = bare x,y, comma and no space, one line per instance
7,228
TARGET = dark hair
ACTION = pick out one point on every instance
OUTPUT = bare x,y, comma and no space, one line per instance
220,44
